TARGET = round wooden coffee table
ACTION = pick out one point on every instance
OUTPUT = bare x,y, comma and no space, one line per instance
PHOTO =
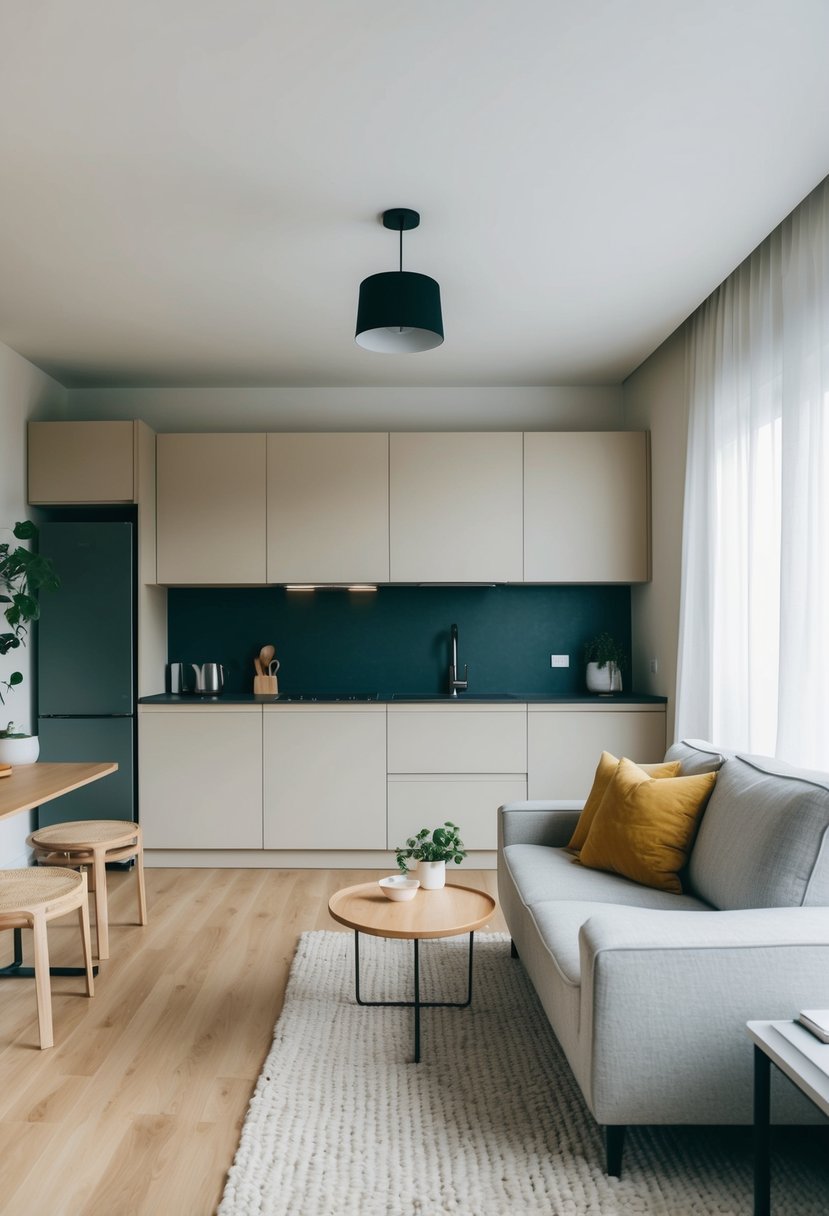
448,912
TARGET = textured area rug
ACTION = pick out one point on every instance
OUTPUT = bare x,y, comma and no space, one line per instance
490,1123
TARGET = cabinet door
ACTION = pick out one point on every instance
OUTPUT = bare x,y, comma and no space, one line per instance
200,777
564,745
211,509
328,508
586,507
455,507
325,778
471,801
83,462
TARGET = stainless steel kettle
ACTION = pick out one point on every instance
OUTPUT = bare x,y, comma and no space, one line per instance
205,679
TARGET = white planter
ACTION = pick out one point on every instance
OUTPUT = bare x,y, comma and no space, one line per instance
603,679
432,875
19,751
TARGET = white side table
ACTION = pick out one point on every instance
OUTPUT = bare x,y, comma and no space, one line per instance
777,1043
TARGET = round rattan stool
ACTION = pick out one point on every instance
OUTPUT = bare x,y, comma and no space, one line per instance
92,843
29,899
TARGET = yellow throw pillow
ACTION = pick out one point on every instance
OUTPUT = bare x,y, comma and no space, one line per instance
644,828
604,775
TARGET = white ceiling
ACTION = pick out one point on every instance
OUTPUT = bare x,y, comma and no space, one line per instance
191,188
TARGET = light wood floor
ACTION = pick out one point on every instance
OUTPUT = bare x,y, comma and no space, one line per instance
138,1106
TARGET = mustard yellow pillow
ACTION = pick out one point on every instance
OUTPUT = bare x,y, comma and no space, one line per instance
604,775
644,828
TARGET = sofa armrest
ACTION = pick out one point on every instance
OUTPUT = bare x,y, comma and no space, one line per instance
667,994
538,822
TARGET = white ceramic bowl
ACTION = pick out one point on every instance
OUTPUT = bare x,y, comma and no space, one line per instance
399,886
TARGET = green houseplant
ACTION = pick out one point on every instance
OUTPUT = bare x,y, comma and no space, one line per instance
604,660
23,575
431,850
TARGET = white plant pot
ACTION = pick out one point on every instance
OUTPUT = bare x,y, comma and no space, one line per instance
603,679
19,751
432,875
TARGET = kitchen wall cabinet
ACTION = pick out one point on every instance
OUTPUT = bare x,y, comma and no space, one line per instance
454,762
325,777
564,743
586,507
455,507
328,508
200,776
211,509
83,462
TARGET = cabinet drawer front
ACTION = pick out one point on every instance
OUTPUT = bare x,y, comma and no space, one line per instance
457,741
470,802
563,748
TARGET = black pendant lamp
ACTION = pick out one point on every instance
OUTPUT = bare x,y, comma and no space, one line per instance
399,311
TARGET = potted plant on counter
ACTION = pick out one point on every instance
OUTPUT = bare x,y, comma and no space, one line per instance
23,575
431,850
604,659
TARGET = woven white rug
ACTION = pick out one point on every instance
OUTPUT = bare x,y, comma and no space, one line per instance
490,1123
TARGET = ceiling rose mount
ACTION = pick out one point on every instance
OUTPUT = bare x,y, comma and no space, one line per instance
399,311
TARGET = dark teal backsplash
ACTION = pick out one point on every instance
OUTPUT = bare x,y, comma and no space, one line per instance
397,638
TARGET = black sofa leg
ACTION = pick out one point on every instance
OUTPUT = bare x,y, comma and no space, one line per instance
513,952
615,1143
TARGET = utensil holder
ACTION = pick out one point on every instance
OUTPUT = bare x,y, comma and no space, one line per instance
265,686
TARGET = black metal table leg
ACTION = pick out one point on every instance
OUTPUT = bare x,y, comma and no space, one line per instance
762,1132
16,971
417,1004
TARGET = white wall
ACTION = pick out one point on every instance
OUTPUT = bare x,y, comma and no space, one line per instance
656,399
352,409
24,391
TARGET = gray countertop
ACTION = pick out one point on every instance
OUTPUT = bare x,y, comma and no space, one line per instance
231,698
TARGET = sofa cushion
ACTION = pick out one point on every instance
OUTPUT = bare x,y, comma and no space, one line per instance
764,838
644,827
541,873
697,756
605,772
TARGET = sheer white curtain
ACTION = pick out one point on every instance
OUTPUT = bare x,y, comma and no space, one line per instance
753,652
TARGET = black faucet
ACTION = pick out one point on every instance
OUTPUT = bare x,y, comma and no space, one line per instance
456,685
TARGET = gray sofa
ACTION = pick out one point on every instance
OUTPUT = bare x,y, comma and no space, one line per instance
648,992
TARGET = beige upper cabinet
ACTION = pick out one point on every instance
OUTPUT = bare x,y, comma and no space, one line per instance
328,508
456,510
211,509
82,462
586,507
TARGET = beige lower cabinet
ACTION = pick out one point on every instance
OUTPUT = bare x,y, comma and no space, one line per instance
564,743
200,776
325,777
455,762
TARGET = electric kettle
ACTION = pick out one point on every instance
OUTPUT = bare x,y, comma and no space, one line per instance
205,679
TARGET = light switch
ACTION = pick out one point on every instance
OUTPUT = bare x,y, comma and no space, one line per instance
559,660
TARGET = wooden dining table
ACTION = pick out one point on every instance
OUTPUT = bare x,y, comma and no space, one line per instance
28,786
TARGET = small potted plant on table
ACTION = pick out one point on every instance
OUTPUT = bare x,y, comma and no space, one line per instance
431,850
604,659
23,575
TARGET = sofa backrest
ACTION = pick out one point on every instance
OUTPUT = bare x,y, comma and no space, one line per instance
697,756
764,837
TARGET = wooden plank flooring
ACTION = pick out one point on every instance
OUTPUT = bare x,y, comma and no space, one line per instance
136,1110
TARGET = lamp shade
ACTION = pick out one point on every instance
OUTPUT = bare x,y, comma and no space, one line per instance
399,312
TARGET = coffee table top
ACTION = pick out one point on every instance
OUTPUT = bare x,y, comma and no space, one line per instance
444,913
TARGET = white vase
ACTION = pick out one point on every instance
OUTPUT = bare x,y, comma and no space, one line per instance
432,875
19,751
603,679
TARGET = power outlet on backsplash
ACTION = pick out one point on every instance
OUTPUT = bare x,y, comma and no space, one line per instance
559,660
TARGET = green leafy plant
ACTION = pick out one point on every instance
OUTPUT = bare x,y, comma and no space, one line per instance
442,844
12,732
604,649
23,575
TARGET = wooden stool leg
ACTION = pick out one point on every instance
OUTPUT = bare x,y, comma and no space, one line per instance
43,985
101,911
83,914
142,890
